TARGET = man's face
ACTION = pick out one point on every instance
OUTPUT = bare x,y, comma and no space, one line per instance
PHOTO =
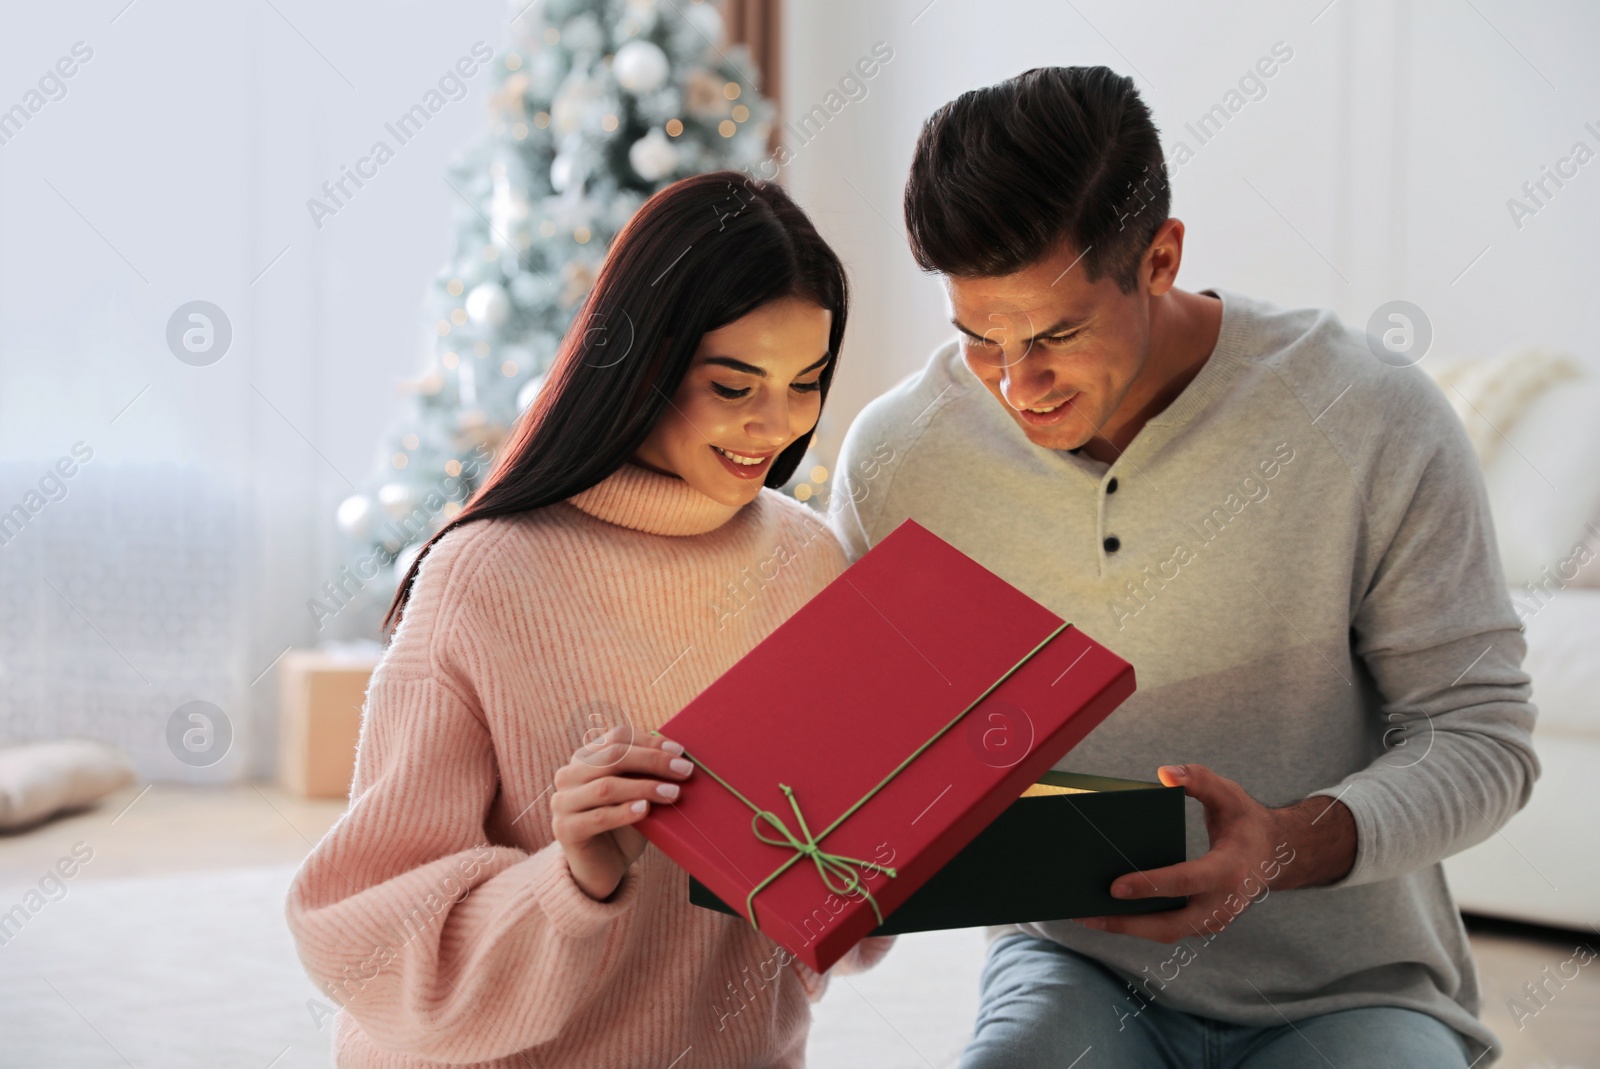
1048,338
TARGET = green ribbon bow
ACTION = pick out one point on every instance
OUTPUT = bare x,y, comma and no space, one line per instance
831,867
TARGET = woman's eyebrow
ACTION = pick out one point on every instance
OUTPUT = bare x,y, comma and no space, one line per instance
759,372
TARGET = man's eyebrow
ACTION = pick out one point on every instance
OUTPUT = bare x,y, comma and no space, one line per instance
759,372
1055,328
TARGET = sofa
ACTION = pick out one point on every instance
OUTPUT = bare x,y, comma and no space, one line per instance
1534,418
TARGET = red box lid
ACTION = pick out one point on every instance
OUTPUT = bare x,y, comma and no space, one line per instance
843,692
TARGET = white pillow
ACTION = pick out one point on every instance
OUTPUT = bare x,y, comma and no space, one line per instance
1492,395
38,779
1544,483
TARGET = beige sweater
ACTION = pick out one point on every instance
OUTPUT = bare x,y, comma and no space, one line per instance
438,912
1305,576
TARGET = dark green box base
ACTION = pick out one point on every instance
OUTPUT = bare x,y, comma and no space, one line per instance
1045,858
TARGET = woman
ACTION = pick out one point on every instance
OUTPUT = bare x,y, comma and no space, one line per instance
486,898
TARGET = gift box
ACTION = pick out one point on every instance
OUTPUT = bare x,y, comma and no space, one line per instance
320,696
1051,855
936,694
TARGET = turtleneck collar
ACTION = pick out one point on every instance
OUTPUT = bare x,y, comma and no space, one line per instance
646,500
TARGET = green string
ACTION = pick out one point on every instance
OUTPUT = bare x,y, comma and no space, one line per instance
832,867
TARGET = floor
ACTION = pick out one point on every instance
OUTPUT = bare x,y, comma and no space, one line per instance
163,830
158,829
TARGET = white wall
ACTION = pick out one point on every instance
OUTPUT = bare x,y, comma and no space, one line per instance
1376,167
184,151
178,164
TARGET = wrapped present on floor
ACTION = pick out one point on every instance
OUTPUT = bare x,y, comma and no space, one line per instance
938,694
320,696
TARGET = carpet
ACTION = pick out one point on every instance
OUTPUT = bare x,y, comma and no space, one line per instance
197,971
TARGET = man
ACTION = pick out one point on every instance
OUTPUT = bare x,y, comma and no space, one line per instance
1290,541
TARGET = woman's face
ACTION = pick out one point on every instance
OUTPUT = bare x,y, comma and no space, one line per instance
752,388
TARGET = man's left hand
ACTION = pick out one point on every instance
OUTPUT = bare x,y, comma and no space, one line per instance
1254,849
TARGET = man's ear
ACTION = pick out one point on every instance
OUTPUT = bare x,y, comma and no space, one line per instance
1162,256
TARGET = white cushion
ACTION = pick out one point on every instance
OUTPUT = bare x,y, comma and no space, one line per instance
1544,486
38,779
1491,395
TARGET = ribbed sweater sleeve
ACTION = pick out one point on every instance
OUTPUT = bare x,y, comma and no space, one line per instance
430,938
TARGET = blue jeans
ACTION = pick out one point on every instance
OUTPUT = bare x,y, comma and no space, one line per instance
1042,1005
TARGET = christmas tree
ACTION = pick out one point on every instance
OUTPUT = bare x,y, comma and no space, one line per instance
597,104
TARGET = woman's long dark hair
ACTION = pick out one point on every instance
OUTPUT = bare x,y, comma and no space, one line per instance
696,256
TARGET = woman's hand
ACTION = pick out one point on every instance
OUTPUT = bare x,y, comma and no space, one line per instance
600,795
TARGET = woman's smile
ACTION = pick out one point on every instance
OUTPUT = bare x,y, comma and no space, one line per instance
745,465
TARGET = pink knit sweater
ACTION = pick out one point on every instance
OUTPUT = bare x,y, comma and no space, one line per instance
439,912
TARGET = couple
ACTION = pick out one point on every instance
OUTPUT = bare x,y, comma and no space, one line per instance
1287,537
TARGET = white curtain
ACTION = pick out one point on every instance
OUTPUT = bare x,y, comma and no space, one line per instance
175,167
125,598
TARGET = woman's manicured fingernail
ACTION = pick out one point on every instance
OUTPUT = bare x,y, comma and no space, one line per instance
672,747
682,766
640,806
669,791
1121,890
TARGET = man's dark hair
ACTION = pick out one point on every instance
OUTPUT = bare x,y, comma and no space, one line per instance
1003,174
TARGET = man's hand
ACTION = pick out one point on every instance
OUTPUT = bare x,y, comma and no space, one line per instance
1254,850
